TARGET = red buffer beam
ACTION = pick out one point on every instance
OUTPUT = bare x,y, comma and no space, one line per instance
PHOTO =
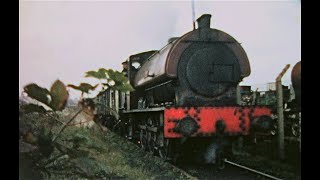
208,121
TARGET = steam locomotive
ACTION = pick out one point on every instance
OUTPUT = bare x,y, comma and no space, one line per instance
293,111
296,81
186,93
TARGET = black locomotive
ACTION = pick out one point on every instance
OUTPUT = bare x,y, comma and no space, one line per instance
186,92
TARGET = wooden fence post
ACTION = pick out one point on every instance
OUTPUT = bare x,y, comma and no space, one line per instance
280,112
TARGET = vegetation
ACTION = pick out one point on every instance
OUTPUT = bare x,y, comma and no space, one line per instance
51,147
85,153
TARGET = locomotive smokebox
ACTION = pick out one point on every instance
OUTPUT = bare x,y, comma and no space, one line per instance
202,67
204,21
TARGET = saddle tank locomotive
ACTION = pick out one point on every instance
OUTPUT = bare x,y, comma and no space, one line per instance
187,91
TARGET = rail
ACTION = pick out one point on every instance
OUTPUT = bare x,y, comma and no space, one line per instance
252,170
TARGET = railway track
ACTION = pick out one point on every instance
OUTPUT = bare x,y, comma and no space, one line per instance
231,171
251,170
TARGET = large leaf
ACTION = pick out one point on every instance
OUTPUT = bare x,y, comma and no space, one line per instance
121,81
123,87
102,71
83,87
116,76
106,84
38,93
100,74
59,95
30,108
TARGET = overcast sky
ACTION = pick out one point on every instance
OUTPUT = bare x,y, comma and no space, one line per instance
64,39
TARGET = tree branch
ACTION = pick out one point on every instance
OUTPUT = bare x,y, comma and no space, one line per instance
65,125
57,119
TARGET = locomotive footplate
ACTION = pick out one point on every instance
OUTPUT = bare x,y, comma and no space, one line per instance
208,121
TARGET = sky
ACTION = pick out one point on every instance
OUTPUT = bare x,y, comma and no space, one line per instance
64,39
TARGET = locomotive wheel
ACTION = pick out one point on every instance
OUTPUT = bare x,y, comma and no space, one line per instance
143,135
162,142
151,136
163,148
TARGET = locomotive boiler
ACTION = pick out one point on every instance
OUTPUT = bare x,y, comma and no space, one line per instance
188,91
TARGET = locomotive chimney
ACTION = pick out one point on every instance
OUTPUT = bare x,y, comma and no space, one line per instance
204,21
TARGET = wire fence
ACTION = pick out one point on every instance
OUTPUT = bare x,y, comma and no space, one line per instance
265,94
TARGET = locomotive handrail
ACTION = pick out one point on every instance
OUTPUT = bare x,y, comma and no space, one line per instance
145,110
162,84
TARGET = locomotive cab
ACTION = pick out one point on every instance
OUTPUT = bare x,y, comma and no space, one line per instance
135,62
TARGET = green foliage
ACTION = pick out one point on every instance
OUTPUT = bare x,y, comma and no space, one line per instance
121,82
45,144
106,84
30,108
116,76
79,139
123,87
38,93
100,74
83,87
83,153
55,99
59,95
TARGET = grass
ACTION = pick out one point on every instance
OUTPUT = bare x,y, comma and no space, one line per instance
93,154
